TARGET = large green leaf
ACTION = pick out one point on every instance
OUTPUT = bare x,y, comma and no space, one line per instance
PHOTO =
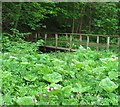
53,78
27,100
78,88
30,78
67,90
113,74
53,85
108,85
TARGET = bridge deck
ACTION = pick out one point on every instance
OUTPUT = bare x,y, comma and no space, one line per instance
60,48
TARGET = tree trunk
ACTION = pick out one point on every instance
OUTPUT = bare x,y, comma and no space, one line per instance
18,17
81,19
90,18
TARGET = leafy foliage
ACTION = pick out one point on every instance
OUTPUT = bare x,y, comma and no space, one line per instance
15,42
84,77
53,78
77,17
108,85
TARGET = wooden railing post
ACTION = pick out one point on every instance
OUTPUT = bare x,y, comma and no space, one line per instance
56,40
97,43
45,39
66,40
70,42
80,39
88,41
108,42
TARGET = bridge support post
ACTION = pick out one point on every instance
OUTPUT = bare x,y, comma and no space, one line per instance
71,41
56,40
80,39
97,48
88,41
45,42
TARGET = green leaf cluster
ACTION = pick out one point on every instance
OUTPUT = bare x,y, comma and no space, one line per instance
84,77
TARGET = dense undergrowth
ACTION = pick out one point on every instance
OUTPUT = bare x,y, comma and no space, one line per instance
84,77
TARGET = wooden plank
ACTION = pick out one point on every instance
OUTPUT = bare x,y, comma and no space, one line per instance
77,34
97,48
61,48
56,40
64,41
88,41
85,34
108,42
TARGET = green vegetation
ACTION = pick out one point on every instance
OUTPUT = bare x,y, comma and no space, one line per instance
30,77
76,17
84,77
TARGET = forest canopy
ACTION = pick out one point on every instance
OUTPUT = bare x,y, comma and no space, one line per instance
75,17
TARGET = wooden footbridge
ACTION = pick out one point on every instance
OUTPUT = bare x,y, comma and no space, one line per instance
69,41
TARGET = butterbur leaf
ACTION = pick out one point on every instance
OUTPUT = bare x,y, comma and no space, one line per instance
30,78
55,85
113,74
67,90
27,100
78,88
53,78
113,98
107,84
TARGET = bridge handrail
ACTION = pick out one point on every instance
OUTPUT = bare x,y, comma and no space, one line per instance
88,43
110,35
